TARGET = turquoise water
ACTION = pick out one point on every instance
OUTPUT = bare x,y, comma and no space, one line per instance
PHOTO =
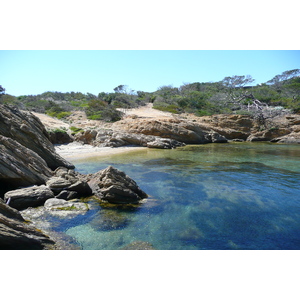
214,196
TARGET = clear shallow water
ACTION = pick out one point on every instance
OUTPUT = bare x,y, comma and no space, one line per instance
214,196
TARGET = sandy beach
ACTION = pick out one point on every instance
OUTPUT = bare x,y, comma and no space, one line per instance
76,150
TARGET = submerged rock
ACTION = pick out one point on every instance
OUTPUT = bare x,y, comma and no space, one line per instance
138,245
108,219
55,204
115,186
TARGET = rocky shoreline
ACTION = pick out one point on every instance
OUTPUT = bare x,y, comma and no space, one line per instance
35,173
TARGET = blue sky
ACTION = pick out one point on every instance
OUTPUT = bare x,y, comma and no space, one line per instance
34,72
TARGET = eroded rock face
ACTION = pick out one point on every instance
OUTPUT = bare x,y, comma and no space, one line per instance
292,138
181,131
115,186
109,138
20,166
162,134
15,234
28,130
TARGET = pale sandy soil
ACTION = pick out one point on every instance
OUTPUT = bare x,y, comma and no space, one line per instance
51,123
76,150
146,111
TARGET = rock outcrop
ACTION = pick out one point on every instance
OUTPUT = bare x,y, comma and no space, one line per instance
16,234
176,129
162,134
27,130
115,186
110,138
282,128
292,138
20,166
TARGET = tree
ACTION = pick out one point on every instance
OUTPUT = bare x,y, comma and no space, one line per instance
120,88
234,85
279,80
2,91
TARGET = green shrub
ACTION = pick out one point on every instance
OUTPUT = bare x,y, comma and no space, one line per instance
75,129
172,108
63,114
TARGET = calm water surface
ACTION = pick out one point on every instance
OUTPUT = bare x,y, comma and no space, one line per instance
214,196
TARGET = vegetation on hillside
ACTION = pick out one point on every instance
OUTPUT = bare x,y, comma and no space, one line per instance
234,94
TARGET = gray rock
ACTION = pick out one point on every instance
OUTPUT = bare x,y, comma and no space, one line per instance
10,212
115,186
215,137
60,137
28,130
15,234
69,181
28,197
67,195
161,143
58,183
20,166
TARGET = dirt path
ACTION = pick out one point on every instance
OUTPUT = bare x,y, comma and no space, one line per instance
146,111
51,123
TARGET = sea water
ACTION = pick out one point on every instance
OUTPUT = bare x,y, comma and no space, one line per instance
213,196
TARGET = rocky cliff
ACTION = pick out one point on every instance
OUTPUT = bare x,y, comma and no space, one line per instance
27,156
27,130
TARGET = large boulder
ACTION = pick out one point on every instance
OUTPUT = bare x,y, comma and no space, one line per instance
16,234
20,166
28,197
60,137
28,130
66,182
115,186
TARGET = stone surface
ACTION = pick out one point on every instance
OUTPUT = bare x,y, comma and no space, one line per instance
60,137
20,166
28,130
15,234
69,181
179,130
65,206
293,138
28,197
115,186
